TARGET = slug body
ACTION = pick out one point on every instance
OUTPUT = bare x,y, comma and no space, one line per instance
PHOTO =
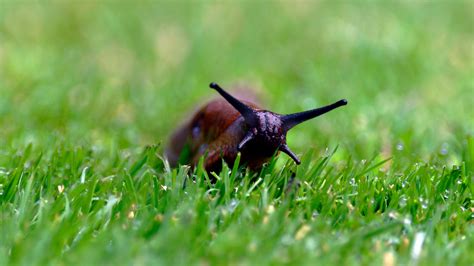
226,126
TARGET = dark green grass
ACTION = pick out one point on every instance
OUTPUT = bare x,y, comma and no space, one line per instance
89,93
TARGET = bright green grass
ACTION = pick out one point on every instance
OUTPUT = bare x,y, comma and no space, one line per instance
89,93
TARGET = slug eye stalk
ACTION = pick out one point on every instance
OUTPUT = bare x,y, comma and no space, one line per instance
291,120
247,112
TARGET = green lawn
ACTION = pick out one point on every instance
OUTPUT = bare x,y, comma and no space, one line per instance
90,92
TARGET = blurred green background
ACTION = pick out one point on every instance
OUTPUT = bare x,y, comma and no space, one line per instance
124,75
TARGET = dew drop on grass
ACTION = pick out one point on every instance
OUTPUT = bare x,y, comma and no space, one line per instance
393,241
300,199
446,194
232,205
444,148
404,183
326,151
400,146
393,215
406,221
352,182
315,215
402,201
4,171
424,202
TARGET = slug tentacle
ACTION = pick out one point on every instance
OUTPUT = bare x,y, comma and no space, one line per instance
247,112
292,120
284,148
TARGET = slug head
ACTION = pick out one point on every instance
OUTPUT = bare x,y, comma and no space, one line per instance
267,130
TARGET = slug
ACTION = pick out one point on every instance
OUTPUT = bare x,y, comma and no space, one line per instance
226,126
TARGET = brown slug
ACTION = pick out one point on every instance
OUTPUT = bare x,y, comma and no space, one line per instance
224,127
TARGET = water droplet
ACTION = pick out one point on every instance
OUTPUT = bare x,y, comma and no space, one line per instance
404,183
423,202
444,148
393,241
399,146
393,215
406,221
315,215
446,194
402,201
4,171
232,205
352,182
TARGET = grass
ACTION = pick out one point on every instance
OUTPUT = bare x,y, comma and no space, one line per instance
90,92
